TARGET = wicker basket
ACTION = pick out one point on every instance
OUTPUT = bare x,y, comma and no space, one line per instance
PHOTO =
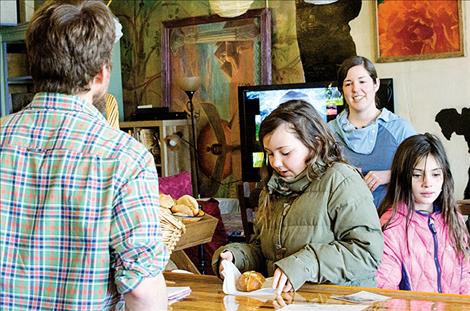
172,229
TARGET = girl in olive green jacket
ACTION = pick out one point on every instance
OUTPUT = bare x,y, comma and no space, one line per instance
316,221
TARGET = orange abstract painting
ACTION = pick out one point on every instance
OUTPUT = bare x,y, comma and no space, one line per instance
418,29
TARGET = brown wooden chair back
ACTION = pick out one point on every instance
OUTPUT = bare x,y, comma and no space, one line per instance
247,209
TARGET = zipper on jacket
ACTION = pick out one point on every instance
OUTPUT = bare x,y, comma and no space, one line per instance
436,259
281,251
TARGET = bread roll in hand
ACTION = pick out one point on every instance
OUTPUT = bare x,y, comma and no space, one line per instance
250,281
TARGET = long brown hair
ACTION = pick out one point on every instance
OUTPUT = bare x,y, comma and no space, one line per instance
308,126
409,153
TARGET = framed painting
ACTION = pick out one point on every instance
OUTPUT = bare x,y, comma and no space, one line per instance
418,29
224,53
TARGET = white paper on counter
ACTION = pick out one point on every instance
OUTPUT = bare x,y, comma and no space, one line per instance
362,297
323,307
177,293
231,275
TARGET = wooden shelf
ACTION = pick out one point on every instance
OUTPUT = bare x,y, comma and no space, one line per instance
20,80
169,161
152,123
464,206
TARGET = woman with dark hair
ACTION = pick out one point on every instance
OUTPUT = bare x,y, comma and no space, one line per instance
426,242
369,135
316,220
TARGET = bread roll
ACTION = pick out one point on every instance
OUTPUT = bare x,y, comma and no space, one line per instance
250,281
182,210
189,201
166,200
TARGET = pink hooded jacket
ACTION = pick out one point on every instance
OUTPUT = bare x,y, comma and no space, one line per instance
429,263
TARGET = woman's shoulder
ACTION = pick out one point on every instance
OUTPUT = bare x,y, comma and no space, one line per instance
337,123
397,126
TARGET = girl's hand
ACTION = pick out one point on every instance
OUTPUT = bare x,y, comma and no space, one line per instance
280,282
227,255
374,179
283,300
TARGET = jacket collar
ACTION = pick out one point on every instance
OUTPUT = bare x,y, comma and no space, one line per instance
402,210
284,187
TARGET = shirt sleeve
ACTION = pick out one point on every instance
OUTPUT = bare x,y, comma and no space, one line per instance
136,240
247,256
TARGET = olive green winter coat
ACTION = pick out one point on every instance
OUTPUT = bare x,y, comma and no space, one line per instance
324,231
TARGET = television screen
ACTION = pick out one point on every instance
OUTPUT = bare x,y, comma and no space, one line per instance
256,102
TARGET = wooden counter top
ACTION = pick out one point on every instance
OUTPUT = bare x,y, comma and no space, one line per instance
207,295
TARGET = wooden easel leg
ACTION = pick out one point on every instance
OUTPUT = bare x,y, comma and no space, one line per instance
182,261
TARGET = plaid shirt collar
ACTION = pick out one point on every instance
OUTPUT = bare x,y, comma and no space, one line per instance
58,101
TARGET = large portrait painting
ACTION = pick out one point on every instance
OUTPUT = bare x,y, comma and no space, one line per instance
225,53
418,29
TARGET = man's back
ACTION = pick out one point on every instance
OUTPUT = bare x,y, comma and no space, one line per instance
78,207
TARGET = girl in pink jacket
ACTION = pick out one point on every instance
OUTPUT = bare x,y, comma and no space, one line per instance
426,242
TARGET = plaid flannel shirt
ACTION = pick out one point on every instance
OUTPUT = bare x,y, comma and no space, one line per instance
79,209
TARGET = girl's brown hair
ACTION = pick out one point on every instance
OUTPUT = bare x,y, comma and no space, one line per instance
409,153
308,126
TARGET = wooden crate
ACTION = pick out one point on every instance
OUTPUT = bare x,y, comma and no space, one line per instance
197,233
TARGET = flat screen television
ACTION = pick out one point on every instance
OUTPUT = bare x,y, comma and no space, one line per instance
256,102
